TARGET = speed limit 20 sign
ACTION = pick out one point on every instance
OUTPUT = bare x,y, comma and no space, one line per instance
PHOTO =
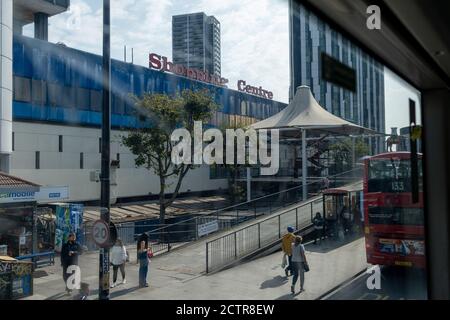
101,233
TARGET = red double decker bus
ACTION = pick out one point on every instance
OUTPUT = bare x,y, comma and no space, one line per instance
394,225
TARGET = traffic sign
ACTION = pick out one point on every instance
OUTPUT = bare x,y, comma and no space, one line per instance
100,233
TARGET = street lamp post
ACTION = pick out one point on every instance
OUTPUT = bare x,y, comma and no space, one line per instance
103,292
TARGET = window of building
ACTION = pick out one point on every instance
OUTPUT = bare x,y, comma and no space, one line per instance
243,108
55,95
39,92
118,104
96,100
60,144
82,98
118,160
22,89
81,160
232,106
68,98
37,160
13,141
253,109
99,145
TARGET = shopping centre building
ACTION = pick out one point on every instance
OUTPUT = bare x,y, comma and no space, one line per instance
53,134
57,117
52,99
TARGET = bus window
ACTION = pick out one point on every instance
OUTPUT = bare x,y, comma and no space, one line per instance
391,176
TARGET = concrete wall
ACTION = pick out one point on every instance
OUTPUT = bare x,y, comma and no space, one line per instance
63,168
6,31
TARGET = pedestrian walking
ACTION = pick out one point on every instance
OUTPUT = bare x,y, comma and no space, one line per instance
118,260
69,257
319,227
144,255
299,264
286,246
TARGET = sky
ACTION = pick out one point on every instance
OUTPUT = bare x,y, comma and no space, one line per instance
252,49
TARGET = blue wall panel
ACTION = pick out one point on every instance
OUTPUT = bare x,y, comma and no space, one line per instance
72,69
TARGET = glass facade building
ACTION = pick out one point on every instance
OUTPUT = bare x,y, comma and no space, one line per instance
310,37
196,42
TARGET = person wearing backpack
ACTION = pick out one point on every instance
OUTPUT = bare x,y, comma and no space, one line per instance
118,260
286,246
299,264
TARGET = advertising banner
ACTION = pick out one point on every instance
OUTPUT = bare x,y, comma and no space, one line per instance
69,218
52,194
402,247
44,195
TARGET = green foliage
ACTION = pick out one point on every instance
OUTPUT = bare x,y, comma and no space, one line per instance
342,152
160,115
236,192
197,106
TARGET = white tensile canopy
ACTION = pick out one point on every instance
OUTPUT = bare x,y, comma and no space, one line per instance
305,114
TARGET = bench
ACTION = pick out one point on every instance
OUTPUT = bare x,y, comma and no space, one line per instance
40,259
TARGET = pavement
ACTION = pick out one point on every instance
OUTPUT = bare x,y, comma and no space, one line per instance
179,275
396,283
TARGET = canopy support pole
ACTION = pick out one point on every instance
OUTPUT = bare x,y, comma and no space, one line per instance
353,153
304,166
249,184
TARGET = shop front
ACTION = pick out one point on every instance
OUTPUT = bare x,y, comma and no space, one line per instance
17,236
16,230
17,212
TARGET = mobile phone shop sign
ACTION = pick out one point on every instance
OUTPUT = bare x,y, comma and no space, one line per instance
44,195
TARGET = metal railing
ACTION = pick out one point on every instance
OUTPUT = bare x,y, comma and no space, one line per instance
187,230
165,237
231,247
226,218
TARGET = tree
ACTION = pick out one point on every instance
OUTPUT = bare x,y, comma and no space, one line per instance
342,152
235,191
160,115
